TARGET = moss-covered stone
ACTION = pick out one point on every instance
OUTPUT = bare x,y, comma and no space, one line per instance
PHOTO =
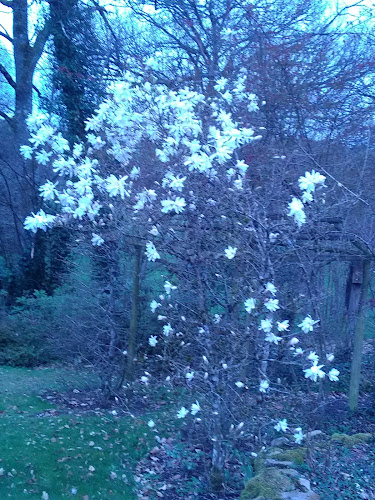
367,386
216,480
270,483
259,462
295,455
354,439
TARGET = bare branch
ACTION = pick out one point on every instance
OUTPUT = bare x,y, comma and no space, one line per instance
7,118
188,49
103,14
7,3
333,178
339,13
37,91
41,39
7,76
5,34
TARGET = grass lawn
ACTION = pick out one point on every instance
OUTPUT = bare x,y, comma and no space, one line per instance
79,455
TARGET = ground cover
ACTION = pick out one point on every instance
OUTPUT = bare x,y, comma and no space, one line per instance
59,438
66,454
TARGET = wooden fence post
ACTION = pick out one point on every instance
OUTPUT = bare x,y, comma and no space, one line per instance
360,278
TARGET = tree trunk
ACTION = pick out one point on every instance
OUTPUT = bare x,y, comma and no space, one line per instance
108,383
133,329
21,176
219,451
24,71
128,369
24,68
217,468
361,276
69,64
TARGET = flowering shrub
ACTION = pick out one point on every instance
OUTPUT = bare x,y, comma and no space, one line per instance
192,204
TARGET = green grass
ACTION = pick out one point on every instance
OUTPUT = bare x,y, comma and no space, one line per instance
65,455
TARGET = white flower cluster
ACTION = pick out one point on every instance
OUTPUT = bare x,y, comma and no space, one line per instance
315,371
266,324
230,252
117,128
195,408
40,220
282,426
307,184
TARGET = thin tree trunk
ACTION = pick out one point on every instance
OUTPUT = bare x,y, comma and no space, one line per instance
217,469
128,369
110,361
219,451
265,358
133,329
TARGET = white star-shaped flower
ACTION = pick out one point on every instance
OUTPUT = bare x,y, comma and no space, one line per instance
151,252
177,205
281,425
154,305
230,252
333,375
96,240
283,325
298,435
182,412
314,372
168,287
266,325
313,357
307,324
264,386
310,180
249,305
298,352
270,287
153,340
307,197
296,211
167,329
195,408
271,337
272,305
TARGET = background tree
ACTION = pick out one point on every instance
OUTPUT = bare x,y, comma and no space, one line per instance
19,178
79,64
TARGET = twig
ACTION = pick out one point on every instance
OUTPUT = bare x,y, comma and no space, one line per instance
339,183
